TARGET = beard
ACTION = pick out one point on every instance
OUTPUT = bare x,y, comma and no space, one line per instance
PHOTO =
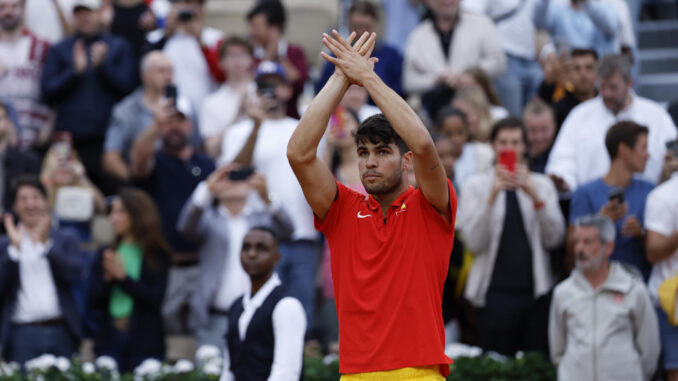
387,185
9,23
590,264
175,141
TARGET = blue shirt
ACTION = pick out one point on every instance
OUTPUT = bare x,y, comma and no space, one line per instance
593,25
590,198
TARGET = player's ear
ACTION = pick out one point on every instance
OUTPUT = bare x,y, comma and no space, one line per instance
407,160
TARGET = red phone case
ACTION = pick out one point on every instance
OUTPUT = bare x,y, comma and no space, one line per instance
508,159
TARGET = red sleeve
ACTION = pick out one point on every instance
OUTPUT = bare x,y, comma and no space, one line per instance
211,55
340,206
433,212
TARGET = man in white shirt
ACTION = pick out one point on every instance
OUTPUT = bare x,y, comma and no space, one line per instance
266,325
192,47
217,216
260,142
226,106
578,155
21,58
661,222
38,313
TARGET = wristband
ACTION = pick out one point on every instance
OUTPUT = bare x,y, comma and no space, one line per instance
539,205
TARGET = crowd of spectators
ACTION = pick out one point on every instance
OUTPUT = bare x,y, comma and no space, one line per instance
146,189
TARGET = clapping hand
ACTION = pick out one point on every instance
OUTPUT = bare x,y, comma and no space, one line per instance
632,227
12,230
353,61
218,181
114,269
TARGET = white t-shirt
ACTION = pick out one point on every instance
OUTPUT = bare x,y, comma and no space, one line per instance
220,110
579,155
20,73
235,281
661,216
43,20
270,159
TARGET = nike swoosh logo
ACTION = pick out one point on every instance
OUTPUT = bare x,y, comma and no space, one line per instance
364,215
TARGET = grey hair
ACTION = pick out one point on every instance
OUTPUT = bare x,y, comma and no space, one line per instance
606,229
147,60
612,64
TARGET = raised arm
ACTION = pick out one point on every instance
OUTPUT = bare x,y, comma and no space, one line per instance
314,176
428,169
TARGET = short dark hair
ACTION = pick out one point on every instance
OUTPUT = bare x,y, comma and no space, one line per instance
235,41
625,132
267,229
510,123
26,180
365,8
272,9
377,129
584,52
448,112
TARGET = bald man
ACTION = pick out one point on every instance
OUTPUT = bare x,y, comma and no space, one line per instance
135,113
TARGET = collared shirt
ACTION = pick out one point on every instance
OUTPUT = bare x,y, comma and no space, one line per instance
37,299
289,328
388,277
579,155
661,216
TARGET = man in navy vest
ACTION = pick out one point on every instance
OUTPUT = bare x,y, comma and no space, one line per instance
266,326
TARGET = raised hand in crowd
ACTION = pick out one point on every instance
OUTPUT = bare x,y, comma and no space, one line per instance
258,182
98,52
13,232
218,181
614,210
79,56
632,228
560,183
114,269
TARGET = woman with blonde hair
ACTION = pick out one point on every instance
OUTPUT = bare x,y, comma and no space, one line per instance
476,78
475,105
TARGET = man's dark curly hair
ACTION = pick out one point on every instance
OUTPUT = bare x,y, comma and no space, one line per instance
376,129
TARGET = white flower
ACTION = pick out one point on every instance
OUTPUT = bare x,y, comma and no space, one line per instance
212,368
520,355
88,368
150,368
63,364
107,363
43,362
455,350
183,366
206,353
330,358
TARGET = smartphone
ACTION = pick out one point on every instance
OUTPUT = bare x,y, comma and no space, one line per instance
673,147
616,195
508,159
170,92
241,174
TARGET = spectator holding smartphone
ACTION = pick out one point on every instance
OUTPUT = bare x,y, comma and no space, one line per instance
128,283
510,219
170,174
219,213
71,196
619,196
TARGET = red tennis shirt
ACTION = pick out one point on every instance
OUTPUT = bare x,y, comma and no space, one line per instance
388,279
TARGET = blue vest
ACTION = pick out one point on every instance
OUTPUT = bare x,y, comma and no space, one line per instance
252,358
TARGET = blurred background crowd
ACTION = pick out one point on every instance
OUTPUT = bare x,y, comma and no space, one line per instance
140,140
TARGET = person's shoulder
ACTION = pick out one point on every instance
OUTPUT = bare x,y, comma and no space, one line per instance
585,109
649,105
211,36
115,41
592,186
422,31
473,18
127,103
666,191
642,185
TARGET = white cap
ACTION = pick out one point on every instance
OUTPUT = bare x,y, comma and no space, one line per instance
89,4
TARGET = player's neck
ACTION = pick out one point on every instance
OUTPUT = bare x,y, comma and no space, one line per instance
386,199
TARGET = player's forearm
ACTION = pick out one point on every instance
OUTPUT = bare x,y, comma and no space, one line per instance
401,116
303,145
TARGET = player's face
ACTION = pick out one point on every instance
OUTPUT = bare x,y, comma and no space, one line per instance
381,166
